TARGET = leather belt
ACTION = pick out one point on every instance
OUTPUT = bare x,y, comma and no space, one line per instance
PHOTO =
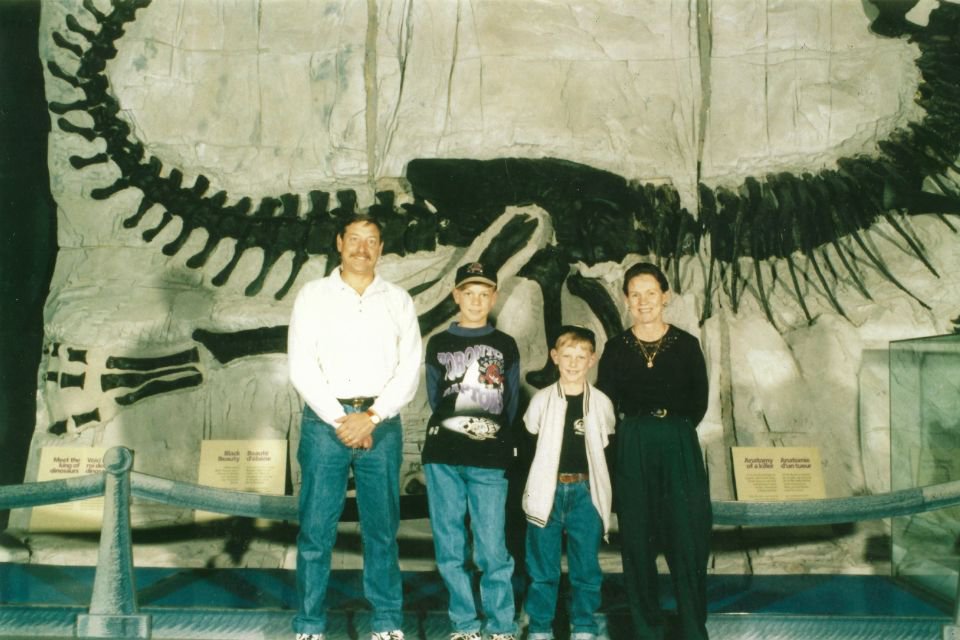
570,478
361,403
659,413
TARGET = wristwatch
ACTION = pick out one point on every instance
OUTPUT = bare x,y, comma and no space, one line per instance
374,418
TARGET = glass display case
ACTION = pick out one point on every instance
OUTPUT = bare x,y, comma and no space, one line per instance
925,450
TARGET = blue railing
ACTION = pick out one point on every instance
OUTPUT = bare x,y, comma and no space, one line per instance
114,612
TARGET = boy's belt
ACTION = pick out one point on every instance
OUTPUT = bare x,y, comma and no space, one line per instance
361,403
570,478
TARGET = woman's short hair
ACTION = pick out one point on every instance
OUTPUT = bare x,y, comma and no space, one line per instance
645,269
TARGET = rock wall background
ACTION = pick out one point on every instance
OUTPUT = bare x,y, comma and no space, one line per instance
162,325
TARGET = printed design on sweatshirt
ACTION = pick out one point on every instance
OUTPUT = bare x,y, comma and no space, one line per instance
476,375
474,427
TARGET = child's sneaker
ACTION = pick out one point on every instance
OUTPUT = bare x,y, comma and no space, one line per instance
465,635
310,636
396,634
502,636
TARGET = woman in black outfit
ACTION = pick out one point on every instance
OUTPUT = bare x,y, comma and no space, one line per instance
656,376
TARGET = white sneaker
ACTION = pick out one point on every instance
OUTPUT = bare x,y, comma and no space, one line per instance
465,635
502,636
396,634
310,636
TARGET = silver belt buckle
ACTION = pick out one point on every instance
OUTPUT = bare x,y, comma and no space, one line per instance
659,413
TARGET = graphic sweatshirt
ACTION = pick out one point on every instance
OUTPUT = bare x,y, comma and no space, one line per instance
473,385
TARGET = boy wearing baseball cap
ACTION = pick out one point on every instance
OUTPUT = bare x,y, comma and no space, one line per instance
473,383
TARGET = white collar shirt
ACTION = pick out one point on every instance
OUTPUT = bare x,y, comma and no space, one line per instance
342,344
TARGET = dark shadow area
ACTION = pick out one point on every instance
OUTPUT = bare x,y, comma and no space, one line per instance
27,231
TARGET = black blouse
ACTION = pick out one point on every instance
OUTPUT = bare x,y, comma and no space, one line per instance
677,381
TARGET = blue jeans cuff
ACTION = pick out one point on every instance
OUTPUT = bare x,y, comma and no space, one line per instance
508,630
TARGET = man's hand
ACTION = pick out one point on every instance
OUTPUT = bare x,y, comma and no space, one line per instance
355,430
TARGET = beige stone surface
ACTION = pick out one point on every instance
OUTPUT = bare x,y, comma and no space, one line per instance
287,96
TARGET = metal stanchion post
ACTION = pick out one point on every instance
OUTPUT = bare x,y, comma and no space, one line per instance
952,631
113,606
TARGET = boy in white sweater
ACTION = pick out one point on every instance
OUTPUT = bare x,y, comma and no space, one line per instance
568,488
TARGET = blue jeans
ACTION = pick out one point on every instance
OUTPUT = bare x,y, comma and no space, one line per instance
574,512
452,491
325,463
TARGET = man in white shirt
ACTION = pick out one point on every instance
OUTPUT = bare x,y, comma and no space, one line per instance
354,351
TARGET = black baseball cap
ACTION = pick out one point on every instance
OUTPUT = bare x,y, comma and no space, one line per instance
475,272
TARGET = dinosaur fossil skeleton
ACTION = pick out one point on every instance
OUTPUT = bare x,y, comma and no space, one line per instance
816,223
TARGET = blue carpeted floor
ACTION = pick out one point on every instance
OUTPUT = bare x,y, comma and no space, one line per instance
736,603
276,589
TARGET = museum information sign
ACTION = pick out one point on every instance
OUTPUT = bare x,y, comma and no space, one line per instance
773,474
257,466
60,463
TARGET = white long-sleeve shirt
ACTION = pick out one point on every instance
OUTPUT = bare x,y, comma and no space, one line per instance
344,345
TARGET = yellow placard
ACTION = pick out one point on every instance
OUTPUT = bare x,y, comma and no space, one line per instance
257,466
773,474
59,463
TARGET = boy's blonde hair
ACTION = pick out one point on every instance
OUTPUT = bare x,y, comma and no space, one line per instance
574,334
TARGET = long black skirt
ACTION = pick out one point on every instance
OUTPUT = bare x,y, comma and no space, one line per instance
663,506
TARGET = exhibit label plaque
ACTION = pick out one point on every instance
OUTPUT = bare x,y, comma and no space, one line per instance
60,463
257,466
773,474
